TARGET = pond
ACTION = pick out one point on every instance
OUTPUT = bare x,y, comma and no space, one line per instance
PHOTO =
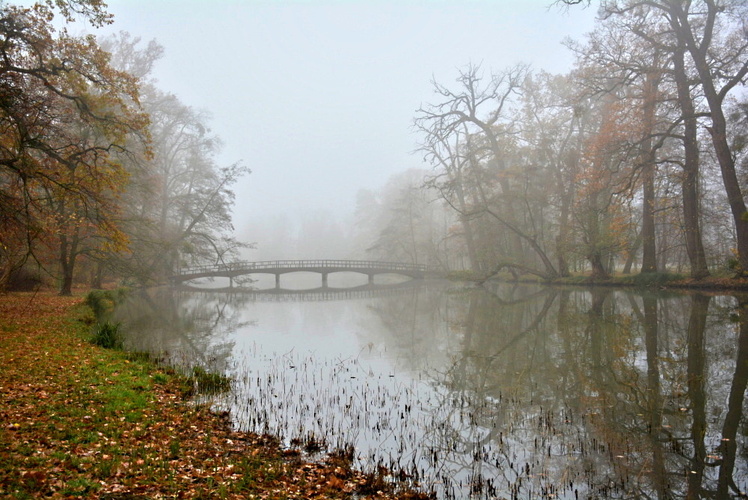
494,391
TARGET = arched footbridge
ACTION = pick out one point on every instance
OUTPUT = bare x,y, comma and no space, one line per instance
324,267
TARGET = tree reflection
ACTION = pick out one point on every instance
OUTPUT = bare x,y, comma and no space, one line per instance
183,328
590,392
697,393
513,391
728,447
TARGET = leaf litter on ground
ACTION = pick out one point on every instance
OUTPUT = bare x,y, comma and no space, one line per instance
82,421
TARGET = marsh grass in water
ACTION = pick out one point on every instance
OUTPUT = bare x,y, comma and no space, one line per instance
203,382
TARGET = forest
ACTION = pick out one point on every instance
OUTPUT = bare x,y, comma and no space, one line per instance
633,161
102,174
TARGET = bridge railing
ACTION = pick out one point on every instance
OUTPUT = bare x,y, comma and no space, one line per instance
295,264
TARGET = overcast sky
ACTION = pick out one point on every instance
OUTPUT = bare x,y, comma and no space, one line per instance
317,97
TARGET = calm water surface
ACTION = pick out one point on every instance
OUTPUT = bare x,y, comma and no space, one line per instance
482,392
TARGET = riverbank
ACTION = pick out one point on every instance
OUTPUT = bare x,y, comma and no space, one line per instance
661,281
82,421
658,281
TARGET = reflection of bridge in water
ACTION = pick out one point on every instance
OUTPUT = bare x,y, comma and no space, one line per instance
370,268
321,294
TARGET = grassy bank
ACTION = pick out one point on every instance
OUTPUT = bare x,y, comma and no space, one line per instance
79,420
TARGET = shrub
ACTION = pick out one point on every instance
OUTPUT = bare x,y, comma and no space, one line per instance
102,302
24,280
108,336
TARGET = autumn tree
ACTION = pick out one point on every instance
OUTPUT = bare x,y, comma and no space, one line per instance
64,112
654,38
178,210
713,33
706,42
598,203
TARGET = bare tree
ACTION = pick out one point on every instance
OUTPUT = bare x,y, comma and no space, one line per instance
478,111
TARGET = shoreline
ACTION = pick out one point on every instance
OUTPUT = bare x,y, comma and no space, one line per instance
81,420
656,281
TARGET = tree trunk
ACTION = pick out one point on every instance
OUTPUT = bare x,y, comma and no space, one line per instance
649,247
698,50
732,186
466,226
565,185
633,249
98,276
563,264
598,268
690,182
594,252
68,254
564,231
470,243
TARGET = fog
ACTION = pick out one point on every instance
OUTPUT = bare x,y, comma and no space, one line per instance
318,98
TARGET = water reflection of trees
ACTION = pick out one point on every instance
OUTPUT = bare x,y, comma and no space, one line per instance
183,328
414,323
595,393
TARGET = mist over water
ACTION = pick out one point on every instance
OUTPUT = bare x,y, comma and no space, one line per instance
456,137
504,391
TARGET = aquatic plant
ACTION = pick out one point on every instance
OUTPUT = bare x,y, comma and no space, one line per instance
201,381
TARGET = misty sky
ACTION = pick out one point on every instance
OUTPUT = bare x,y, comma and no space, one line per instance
317,97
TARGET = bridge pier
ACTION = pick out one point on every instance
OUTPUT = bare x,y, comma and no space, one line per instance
371,279
277,281
324,280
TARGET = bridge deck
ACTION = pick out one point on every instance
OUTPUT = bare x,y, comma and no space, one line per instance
233,269
311,295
